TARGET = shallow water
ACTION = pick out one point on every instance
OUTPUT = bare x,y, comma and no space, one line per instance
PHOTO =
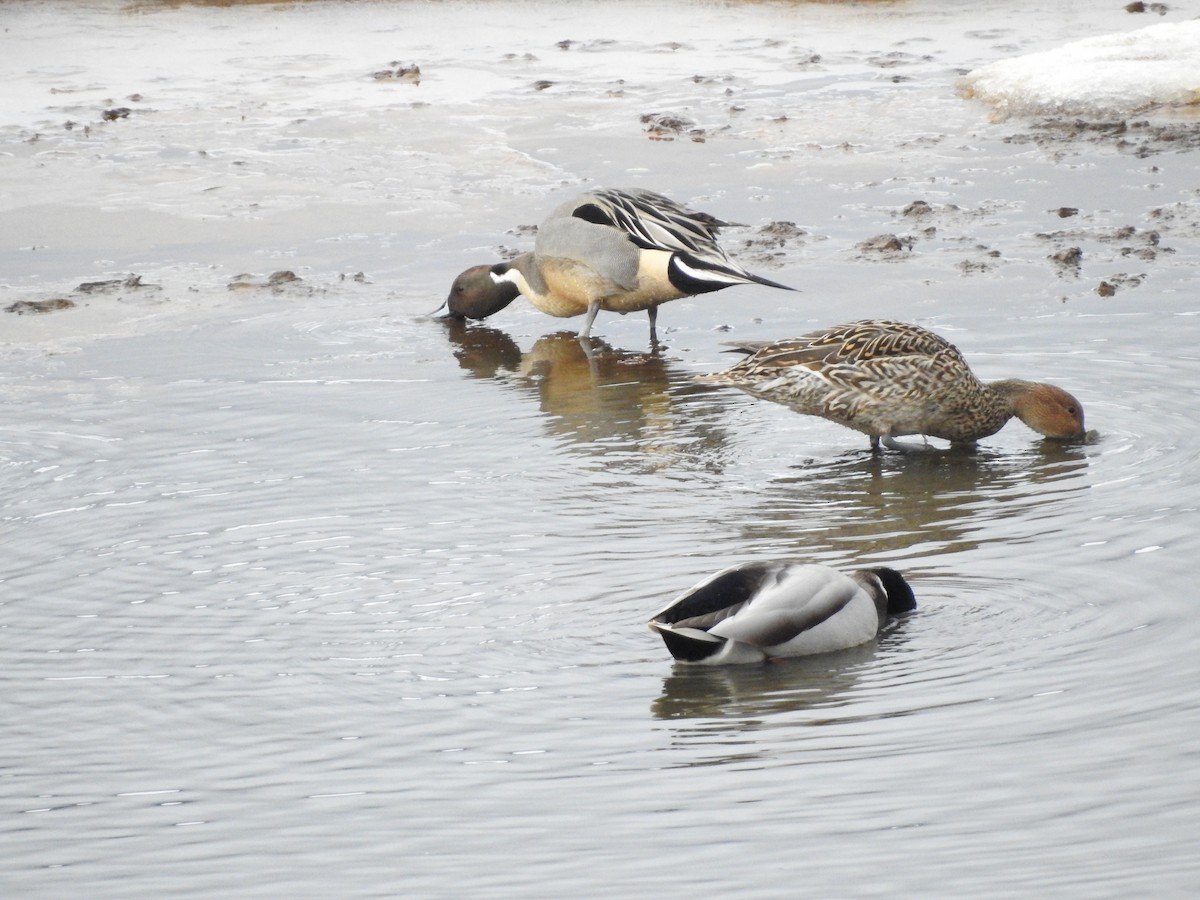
308,594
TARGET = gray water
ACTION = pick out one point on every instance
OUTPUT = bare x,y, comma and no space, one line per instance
307,594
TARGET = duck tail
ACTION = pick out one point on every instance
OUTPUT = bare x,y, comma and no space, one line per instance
693,275
688,644
899,594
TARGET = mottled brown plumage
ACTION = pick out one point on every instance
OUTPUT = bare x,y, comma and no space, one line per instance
888,379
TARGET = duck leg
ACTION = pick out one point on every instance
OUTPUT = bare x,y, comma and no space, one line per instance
904,447
586,330
652,313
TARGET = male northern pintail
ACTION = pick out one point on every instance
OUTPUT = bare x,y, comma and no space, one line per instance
619,250
888,379
764,610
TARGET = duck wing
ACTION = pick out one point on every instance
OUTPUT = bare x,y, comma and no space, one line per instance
651,221
856,343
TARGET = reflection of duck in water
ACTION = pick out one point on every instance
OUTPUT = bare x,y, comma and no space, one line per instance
765,610
912,505
618,250
888,379
742,697
484,352
591,392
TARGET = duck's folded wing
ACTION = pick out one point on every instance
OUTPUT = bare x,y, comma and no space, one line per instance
805,597
651,221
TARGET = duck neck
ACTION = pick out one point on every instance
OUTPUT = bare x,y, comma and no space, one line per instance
981,410
1012,391
523,274
1011,394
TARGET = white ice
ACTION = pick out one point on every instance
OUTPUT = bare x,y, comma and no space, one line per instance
1111,74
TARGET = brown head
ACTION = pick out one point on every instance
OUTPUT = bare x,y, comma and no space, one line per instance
1048,410
475,294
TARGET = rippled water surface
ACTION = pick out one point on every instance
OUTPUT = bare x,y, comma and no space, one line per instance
307,594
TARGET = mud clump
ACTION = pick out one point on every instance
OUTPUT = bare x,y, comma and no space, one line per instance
668,126
1140,138
276,281
1070,258
777,234
399,72
771,242
39,307
918,209
112,285
1109,286
886,245
1139,7
130,283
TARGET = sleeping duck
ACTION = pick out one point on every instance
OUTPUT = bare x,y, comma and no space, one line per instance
764,610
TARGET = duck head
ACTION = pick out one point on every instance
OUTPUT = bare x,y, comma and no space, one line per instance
900,597
1049,410
476,294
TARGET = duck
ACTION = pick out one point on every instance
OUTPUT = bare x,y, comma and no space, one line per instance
889,379
613,249
759,611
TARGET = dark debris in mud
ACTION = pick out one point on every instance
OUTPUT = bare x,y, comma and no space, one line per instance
896,58
668,126
276,281
403,73
1109,286
769,244
1141,243
986,261
1139,7
1069,258
111,286
918,209
1141,138
924,211
887,245
597,44
39,307
1129,242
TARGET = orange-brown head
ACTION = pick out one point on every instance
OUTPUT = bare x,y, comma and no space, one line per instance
1049,410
